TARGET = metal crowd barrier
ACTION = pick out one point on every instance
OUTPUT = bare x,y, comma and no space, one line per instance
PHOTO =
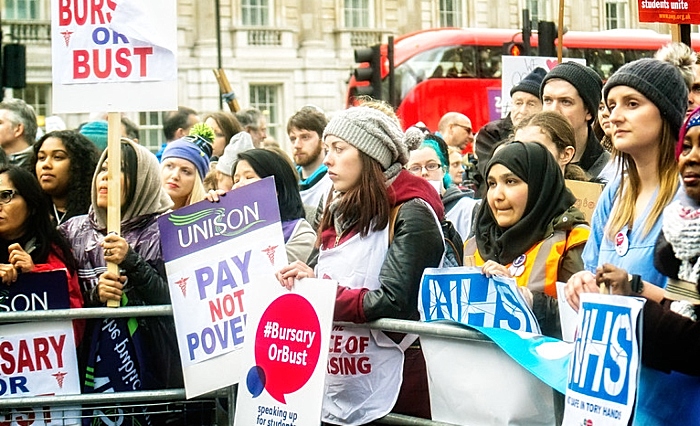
178,395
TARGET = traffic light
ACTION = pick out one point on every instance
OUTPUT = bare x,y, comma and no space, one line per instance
371,73
14,71
546,35
513,49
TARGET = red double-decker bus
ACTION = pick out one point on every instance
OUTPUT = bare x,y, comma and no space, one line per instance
456,69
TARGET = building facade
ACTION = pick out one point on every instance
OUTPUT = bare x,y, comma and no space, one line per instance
280,55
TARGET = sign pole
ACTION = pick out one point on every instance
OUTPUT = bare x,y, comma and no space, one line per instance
560,31
114,187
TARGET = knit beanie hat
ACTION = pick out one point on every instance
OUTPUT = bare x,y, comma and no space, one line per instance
660,82
240,142
531,83
185,149
693,120
586,81
96,131
377,135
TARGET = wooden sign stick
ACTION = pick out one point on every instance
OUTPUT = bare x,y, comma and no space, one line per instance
114,185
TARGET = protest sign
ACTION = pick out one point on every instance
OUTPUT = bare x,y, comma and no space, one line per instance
114,56
467,296
527,364
515,68
587,194
472,390
38,358
604,366
669,11
212,253
285,356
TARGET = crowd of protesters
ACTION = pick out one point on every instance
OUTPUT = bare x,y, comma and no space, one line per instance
365,203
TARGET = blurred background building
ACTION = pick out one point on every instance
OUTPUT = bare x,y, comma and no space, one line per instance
282,54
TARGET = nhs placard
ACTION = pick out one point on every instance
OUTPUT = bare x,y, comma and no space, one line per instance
603,372
467,296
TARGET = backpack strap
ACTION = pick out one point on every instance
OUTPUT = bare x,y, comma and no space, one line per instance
392,221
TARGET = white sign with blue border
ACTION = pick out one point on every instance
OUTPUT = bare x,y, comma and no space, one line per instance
604,367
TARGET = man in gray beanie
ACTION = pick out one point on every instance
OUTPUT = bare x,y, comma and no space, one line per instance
574,91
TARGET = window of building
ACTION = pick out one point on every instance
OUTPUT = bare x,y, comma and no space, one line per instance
21,9
265,97
256,12
451,13
615,14
356,13
536,11
151,130
36,95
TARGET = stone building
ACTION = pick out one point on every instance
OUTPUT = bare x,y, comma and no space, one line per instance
282,54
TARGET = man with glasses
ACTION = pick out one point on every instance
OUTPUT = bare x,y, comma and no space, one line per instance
456,129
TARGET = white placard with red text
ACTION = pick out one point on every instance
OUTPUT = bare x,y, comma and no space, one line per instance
286,352
38,360
114,55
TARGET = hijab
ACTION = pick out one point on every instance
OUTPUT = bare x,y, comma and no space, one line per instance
547,200
149,197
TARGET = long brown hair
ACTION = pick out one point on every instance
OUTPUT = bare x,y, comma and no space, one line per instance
368,202
630,185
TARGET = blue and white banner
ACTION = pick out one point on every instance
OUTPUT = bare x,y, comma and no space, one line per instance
467,296
604,367
214,253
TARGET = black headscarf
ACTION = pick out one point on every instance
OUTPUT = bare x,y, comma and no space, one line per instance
547,200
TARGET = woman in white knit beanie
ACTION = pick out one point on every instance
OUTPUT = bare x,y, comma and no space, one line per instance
380,230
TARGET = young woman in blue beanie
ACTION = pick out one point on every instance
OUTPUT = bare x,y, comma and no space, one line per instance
183,168
647,99
379,231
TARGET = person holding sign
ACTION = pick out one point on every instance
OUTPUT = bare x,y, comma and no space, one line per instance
29,241
647,99
671,330
378,260
64,162
126,354
531,230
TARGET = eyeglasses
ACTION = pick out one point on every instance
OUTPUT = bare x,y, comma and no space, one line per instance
467,128
7,195
416,169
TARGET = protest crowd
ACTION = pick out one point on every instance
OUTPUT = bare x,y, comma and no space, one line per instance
371,206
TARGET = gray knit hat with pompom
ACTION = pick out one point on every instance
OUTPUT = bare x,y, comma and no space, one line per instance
377,135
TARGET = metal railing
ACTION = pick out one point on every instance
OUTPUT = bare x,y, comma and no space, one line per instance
401,326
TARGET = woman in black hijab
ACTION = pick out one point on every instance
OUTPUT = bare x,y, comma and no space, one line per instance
529,228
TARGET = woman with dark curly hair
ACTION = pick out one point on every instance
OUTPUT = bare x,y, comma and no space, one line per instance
64,162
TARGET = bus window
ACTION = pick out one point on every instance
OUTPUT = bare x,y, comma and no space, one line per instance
489,62
441,62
